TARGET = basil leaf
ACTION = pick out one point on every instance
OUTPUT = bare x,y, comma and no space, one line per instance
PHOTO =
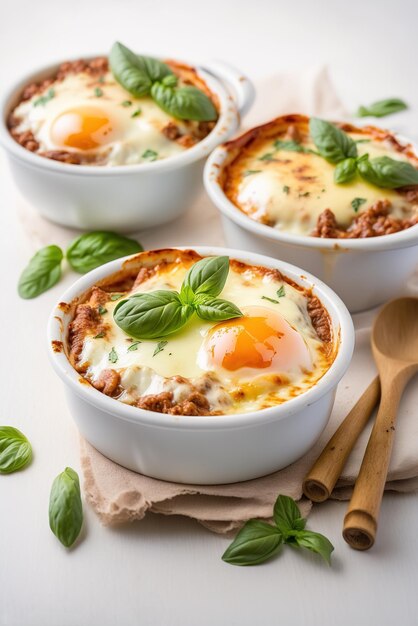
332,143
186,294
388,173
152,315
184,103
93,249
65,508
382,108
160,347
292,146
287,515
129,71
345,170
15,450
42,272
208,276
256,542
314,542
215,310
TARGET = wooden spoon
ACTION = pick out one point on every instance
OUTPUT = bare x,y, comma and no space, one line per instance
395,350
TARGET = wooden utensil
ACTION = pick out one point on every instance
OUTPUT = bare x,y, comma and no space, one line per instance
321,479
395,350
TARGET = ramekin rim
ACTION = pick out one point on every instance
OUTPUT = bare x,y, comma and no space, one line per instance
328,382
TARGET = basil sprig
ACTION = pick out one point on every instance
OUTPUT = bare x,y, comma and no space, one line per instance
258,541
331,142
42,272
84,254
388,173
65,507
15,450
93,249
160,313
146,76
382,108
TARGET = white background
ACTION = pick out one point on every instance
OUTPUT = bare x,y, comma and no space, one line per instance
168,571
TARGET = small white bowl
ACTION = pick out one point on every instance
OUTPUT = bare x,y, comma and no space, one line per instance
363,272
123,197
210,449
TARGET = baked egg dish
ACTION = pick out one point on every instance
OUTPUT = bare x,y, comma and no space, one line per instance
260,342
83,115
277,175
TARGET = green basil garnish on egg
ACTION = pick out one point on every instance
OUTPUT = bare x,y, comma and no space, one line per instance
43,100
345,170
146,76
162,312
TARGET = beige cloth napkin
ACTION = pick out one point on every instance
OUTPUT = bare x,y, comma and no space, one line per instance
119,495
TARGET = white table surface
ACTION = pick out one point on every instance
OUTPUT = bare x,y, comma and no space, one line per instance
168,571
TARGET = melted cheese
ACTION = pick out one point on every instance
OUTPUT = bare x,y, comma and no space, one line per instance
147,370
291,189
131,135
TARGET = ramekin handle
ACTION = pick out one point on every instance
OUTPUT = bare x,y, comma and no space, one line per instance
242,88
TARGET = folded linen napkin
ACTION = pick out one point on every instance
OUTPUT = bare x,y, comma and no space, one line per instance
119,495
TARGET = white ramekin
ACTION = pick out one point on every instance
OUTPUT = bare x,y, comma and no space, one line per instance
123,197
210,449
364,272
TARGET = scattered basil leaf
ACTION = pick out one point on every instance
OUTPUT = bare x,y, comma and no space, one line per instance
93,249
43,100
98,92
134,346
315,542
136,113
151,155
286,189
251,172
345,170
101,309
127,103
15,450
160,347
184,103
65,507
215,309
281,292
256,542
152,315
99,335
270,299
116,296
42,272
287,515
382,108
208,276
332,143
357,202
388,173
113,356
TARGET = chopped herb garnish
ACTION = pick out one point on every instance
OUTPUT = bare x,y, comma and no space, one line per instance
304,195
99,335
101,309
362,141
357,202
127,103
322,190
134,346
281,292
113,356
101,80
269,299
286,189
151,155
135,114
44,99
269,156
116,296
160,347
292,146
98,92
250,172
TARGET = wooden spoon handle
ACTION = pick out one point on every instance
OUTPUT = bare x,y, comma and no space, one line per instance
321,479
360,522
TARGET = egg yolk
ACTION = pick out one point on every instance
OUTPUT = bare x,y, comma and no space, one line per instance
261,340
82,128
